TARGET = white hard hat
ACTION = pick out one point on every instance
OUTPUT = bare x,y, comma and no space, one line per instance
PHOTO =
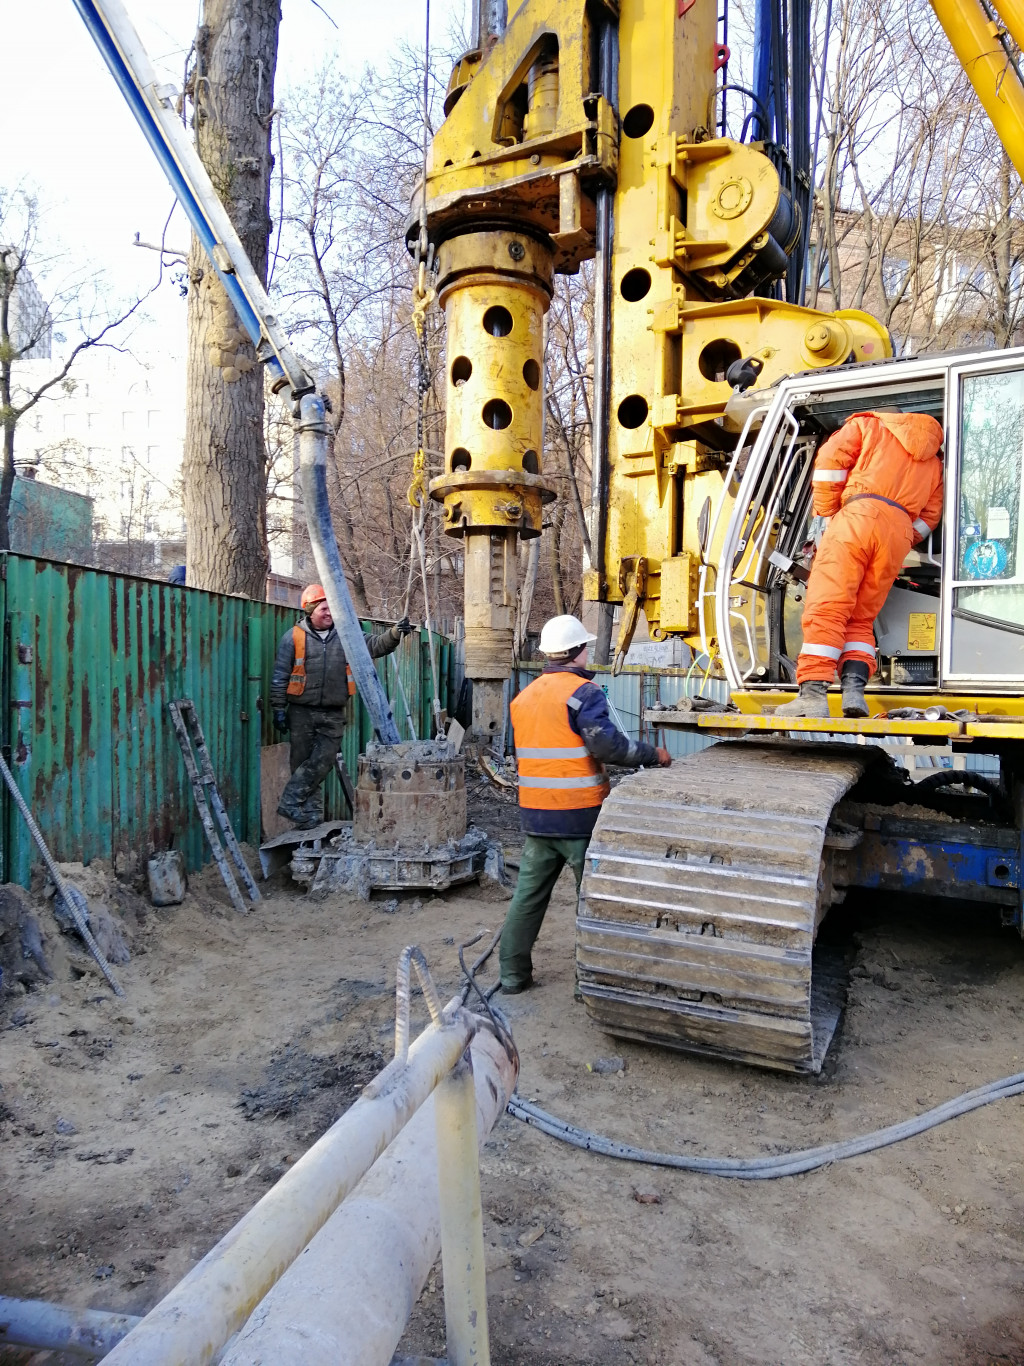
562,634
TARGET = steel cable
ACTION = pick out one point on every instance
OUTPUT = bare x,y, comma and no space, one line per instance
781,1164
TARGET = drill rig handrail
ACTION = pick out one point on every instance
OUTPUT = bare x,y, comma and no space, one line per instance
761,411
731,547
152,104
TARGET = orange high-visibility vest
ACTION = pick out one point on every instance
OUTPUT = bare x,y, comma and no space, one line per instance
556,773
297,683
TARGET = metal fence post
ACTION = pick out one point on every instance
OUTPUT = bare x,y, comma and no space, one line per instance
253,729
21,654
462,1229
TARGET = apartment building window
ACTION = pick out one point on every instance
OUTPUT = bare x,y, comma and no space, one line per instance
818,267
972,274
894,274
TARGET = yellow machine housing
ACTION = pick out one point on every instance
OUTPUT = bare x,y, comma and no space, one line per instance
531,140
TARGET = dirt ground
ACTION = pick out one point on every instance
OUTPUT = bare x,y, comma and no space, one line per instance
135,1132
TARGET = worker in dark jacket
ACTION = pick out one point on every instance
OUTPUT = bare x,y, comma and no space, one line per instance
564,735
309,691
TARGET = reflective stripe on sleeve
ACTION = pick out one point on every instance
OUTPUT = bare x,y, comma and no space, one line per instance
922,528
822,651
864,646
830,476
588,780
575,752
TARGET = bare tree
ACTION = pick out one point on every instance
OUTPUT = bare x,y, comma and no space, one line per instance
917,218
231,87
34,305
350,157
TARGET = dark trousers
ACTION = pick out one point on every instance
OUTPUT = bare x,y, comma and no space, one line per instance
316,734
542,861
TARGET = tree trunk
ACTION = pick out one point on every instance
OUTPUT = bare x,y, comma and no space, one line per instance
225,465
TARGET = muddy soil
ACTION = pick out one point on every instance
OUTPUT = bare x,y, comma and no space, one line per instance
135,1132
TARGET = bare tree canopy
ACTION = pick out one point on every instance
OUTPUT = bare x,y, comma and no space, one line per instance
918,212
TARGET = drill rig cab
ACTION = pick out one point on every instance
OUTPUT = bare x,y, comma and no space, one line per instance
952,627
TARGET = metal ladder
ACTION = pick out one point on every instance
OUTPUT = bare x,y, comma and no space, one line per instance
207,795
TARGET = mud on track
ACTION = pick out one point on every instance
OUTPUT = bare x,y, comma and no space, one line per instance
134,1133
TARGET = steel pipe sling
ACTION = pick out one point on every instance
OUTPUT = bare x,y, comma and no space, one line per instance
152,104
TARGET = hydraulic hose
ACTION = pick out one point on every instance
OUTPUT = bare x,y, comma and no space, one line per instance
313,434
780,1164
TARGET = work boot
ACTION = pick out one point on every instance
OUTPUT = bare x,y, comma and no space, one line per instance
854,676
812,700
300,816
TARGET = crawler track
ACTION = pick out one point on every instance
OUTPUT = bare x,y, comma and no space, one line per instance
704,889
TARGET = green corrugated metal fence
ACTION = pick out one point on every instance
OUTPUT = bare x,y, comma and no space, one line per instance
90,661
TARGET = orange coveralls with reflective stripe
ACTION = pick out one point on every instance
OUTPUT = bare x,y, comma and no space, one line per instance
879,481
556,771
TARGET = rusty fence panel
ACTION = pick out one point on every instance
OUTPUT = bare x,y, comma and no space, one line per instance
90,661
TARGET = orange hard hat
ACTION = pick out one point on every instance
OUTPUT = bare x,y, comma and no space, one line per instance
311,595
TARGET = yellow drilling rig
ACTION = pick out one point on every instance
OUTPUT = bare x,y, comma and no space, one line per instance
580,129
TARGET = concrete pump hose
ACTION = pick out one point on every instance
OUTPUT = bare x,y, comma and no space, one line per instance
780,1164
314,434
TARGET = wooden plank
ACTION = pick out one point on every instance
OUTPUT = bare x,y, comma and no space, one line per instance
275,770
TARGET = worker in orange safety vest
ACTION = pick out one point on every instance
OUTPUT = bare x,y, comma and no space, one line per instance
564,735
877,492
309,693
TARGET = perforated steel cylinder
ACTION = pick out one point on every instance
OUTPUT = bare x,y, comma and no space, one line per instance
495,288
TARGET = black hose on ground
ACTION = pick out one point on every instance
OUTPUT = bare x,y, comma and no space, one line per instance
781,1164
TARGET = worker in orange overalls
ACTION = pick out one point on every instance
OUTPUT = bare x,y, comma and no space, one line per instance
878,488
564,735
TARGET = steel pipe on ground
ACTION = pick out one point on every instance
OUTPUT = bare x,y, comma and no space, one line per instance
88,1333
347,1299
193,1321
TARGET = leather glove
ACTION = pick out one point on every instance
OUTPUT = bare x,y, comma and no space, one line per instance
664,758
402,628
281,718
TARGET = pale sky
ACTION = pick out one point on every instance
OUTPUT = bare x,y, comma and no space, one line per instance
70,136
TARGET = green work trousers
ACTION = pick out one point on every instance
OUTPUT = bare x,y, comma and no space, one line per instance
316,736
542,861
